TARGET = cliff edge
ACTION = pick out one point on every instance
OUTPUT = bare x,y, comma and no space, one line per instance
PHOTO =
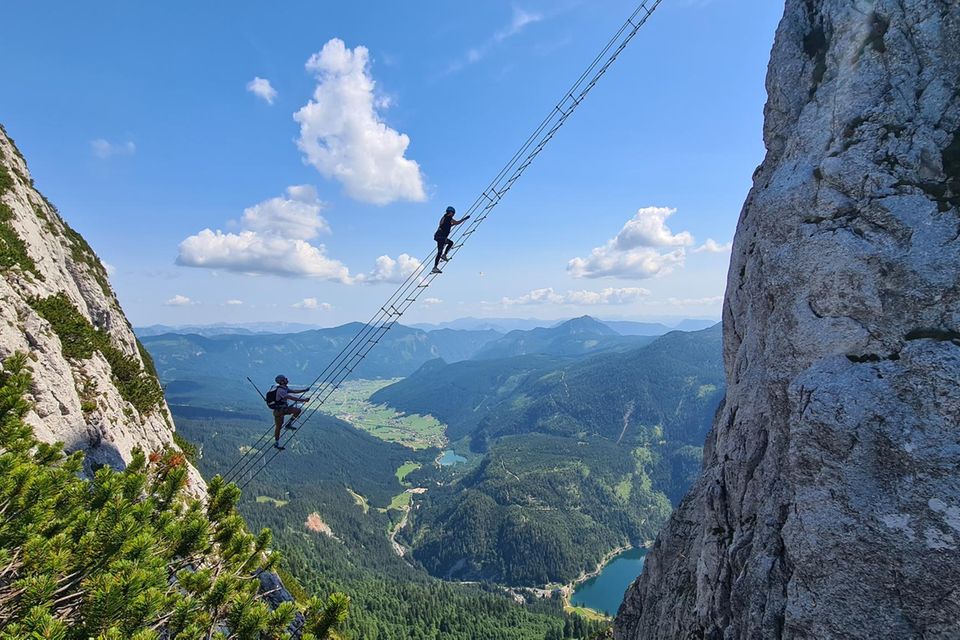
94,387
829,503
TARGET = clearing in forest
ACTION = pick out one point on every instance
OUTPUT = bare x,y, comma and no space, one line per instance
352,404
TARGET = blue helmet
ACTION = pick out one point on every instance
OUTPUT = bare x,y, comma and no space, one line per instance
280,379
451,210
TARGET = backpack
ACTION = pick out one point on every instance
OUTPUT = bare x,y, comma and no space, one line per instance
271,398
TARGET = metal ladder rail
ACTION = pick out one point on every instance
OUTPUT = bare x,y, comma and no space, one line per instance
414,286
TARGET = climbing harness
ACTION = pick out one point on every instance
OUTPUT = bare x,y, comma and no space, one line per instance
250,464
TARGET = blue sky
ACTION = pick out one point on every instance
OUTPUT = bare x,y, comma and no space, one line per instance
255,162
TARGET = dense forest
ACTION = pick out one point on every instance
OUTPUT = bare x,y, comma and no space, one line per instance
538,509
341,482
577,457
569,457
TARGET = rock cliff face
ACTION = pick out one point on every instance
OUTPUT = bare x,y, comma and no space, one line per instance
829,504
94,387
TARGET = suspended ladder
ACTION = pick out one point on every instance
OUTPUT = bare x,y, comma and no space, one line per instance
249,465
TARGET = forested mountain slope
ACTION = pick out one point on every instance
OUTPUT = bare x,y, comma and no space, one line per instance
578,457
576,337
331,500
674,382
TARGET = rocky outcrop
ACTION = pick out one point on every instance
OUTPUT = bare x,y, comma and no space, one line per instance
93,386
829,504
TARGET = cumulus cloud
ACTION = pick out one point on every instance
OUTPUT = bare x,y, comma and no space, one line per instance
251,253
262,88
636,251
623,295
386,269
296,217
234,302
431,301
311,304
712,246
343,135
104,149
178,301
273,241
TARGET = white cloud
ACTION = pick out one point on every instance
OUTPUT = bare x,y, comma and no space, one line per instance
343,135
261,88
712,246
109,268
624,295
295,217
178,301
386,269
431,301
518,22
105,149
273,241
648,228
538,296
692,302
634,253
251,253
234,303
636,264
311,304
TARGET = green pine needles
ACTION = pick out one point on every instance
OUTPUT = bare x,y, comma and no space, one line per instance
13,250
128,555
79,339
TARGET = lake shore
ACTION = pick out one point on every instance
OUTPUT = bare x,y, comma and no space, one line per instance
567,590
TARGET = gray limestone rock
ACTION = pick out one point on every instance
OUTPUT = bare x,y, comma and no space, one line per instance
829,504
75,401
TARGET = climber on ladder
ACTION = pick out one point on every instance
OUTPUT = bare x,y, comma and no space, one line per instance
442,237
277,399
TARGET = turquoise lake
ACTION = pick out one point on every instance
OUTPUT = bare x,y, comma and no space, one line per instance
450,457
604,592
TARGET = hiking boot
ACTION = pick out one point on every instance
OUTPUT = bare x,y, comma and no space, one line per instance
436,270
445,258
278,446
290,426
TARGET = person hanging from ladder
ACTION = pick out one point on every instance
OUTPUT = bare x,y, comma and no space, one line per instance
444,243
281,398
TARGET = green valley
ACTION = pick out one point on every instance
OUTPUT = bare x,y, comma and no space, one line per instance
351,403
569,458
578,457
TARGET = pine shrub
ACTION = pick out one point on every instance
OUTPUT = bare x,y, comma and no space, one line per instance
127,555
79,339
